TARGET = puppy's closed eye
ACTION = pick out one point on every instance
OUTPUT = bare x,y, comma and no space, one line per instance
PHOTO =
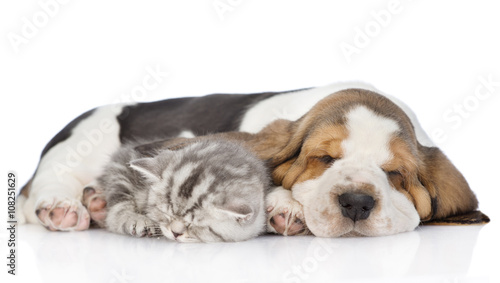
327,159
396,178
394,173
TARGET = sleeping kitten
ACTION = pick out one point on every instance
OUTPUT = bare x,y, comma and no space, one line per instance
211,190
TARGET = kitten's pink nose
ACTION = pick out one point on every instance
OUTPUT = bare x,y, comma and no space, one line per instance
178,228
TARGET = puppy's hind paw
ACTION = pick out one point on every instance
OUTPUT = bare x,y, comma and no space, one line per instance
62,214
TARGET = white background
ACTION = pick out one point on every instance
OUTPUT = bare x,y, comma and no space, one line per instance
60,60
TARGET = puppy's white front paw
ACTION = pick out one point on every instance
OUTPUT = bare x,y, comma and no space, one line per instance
58,213
284,214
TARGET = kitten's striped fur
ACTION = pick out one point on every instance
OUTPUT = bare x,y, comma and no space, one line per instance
211,190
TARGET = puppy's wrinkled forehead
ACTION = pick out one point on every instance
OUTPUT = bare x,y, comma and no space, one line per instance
369,135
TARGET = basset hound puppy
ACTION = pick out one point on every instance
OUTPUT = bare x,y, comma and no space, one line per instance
346,160
360,165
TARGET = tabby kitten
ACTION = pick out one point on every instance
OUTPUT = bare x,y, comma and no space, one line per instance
207,191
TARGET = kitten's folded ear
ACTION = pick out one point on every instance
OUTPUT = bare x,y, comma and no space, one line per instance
243,213
148,167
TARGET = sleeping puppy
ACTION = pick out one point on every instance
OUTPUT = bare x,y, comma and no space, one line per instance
359,164
346,160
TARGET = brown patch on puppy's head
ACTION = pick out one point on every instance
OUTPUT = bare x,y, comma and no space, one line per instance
317,151
402,172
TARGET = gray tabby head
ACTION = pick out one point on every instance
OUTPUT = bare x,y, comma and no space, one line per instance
207,191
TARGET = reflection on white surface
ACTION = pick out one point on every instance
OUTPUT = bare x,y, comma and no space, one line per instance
430,254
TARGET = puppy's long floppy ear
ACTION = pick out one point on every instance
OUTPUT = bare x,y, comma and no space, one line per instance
452,200
270,143
280,143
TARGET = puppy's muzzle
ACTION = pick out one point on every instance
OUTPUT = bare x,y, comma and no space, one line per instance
356,206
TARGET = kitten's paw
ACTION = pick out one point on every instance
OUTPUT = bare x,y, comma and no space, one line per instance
95,202
284,214
62,214
141,226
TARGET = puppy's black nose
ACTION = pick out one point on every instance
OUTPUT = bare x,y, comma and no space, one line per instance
356,206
